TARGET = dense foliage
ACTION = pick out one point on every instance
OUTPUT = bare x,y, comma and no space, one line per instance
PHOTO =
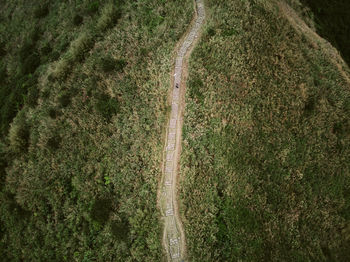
83,104
266,150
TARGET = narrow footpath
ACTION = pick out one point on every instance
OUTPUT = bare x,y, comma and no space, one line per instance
173,238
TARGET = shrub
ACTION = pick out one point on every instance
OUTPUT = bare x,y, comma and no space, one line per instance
41,11
53,143
32,96
107,64
19,134
64,99
26,50
30,64
121,229
53,113
35,34
3,73
2,49
195,88
120,64
77,20
101,210
107,106
46,50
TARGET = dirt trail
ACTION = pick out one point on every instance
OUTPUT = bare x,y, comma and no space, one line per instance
173,236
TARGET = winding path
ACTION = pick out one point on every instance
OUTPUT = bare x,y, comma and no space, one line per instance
174,237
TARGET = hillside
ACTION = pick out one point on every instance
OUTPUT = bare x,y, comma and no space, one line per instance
84,86
266,146
85,104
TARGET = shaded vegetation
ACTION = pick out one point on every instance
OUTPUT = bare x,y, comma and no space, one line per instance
333,22
265,159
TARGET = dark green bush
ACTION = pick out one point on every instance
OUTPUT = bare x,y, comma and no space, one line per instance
107,106
2,50
101,210
53,143
120,64
64,99
121,229
46,50
55,55
30,64
26,50
41,11
107,64
32,96
53,113
78,20
196,89
35,34
3,73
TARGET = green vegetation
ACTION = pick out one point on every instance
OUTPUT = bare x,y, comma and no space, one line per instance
83,109
266,150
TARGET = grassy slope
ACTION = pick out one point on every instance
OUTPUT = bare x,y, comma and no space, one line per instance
266,150
84,160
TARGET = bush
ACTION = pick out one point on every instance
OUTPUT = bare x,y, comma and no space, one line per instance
2,50
53,143
64,99
120,64
121,229
107,64
30,64
3,73
26,50
19,134
32,96
77,20
107,106
101,210
53,113
35,34
42,11
46,50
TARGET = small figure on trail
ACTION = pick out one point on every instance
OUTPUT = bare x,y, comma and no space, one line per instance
177,85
